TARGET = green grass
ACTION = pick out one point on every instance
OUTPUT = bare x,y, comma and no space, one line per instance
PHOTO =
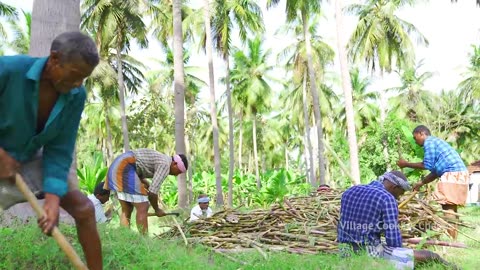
25,247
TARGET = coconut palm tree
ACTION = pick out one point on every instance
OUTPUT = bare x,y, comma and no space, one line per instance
347,93
119,23
246,15
305,9
179,88
250,77
213,107
297,62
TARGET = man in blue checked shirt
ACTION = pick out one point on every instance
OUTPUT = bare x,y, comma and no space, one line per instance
369,211
41,102
443,162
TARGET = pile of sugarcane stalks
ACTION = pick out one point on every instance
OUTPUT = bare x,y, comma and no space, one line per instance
305,225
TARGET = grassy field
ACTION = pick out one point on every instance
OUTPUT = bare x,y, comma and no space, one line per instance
25,247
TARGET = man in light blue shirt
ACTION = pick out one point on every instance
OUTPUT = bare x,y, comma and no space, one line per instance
444,163
41,102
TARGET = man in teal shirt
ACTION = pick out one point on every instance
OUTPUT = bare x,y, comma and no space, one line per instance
41,102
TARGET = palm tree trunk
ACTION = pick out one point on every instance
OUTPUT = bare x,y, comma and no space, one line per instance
45,29
240,141
307,132
121,89
179,88
189,178
213,108
305,157
250,169
347,91
109,156
383,116
230,133
255,153
316,99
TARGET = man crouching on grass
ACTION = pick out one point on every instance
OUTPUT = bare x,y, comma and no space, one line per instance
41,103
367,211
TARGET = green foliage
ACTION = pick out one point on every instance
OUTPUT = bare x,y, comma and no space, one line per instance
91,174
399,142
276,184
274,187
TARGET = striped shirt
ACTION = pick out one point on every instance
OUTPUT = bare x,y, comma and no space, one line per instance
152,164
439,157
366,212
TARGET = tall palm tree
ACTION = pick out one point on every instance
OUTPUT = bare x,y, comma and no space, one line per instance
305,9
213,106
120,22
297,64
382,40
347,93
247,16
250,75
179,87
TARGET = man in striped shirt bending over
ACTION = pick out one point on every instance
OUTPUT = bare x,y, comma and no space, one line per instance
127,177
369,211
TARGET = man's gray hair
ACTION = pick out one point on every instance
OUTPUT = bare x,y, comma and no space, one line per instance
74,45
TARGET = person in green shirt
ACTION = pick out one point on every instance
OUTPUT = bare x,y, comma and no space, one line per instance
41,102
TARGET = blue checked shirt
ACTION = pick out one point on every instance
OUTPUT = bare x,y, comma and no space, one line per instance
440,157
366,212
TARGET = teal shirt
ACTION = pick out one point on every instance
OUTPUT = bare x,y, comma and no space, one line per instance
19,88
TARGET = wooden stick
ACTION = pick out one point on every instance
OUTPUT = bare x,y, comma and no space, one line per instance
57,235
176,223
452,213
166,214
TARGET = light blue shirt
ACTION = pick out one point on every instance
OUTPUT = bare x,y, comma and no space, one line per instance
440,157
19,89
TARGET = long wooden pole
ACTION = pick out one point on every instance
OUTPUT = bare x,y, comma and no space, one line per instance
57,235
